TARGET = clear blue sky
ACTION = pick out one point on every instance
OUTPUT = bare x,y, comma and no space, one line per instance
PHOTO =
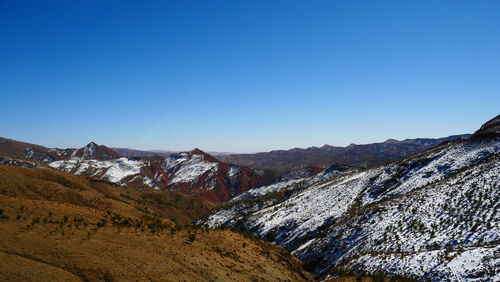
245,76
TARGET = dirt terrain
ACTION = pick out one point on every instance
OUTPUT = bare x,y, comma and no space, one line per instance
61,227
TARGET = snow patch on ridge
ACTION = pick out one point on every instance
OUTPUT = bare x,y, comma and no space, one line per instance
113,170
184,168
121,168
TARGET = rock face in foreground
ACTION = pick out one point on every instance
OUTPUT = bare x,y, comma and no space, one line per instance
433,216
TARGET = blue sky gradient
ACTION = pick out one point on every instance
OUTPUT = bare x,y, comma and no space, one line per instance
246,76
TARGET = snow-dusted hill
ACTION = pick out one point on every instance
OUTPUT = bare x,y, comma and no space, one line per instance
121,171
430,216
194,172
198,173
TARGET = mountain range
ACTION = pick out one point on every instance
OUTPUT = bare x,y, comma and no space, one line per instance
126,152
194,172
432,216
423,209
199,173
282,161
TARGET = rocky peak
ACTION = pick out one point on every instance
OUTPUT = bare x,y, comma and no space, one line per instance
490,128
207,157
94,151
198,173
197,151
91,148
92,144
390,140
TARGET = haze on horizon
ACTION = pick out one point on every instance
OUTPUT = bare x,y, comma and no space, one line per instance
245,76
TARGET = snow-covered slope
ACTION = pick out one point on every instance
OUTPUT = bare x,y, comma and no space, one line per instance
422,217
197,173
120,171
292,184
194,172
188,168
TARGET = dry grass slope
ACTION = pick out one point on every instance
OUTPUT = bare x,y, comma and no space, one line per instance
62,227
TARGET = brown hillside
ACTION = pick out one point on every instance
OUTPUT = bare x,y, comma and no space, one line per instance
56,186
16,149
62,227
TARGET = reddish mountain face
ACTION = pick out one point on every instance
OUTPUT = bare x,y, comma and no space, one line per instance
20,150
195,172
94,151
153,175
198,173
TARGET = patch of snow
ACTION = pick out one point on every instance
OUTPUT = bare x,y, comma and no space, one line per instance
234,171
112,170
184,169
121,168
443,199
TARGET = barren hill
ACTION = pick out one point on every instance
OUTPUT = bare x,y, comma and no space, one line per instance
63,227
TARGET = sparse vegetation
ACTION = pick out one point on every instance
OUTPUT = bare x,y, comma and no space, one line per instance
100,233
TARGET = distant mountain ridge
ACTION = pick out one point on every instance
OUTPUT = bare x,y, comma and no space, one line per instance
195,173
201,174
127,152
283,161
22,150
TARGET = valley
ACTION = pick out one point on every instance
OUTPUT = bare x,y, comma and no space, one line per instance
432,215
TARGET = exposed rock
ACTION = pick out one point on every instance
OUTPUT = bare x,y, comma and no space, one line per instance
490,128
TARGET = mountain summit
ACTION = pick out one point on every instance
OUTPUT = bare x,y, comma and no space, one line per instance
198,173
98,152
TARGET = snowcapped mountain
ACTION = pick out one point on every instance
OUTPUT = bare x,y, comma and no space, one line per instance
194,172
198,173
96,152
431,216
122,171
